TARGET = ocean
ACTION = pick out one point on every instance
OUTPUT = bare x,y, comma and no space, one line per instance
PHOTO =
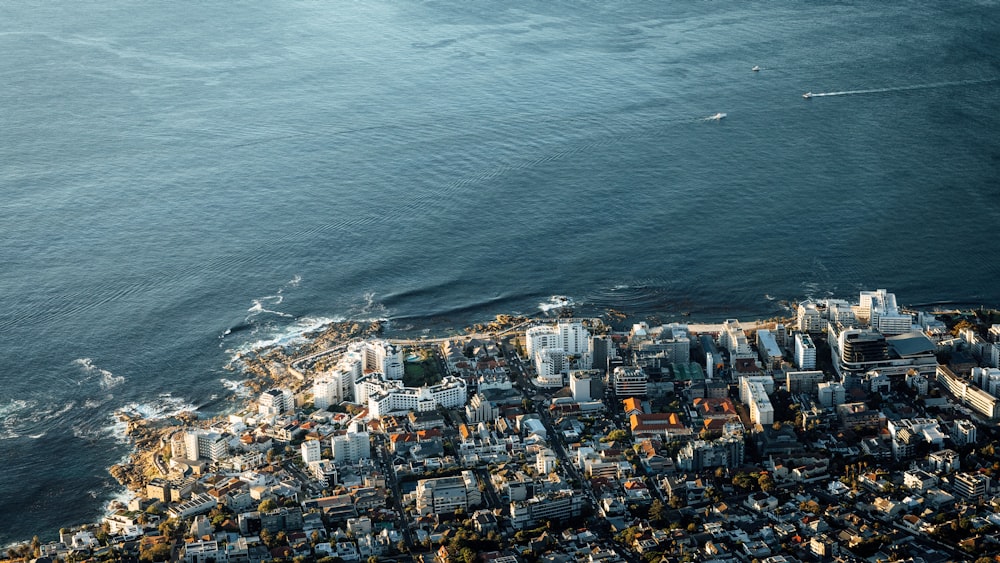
182,181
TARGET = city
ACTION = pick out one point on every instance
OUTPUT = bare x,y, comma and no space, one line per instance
853,431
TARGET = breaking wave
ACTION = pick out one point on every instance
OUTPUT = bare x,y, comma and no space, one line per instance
106,379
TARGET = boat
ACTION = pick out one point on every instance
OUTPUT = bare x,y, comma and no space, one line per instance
755,68
807,95
717,117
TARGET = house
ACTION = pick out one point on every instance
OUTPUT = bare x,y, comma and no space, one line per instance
761,502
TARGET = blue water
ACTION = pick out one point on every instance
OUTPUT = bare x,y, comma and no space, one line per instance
180,181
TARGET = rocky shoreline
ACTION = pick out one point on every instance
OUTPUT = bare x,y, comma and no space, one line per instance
261,369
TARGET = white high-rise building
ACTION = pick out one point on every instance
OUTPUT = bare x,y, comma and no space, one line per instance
581,384
831,394
809,317
350,448
545,461
540,338
274,402
203,444
761,410
882,313
630,382
480,409
332,388
311,451
382,356
443,495
550,363
574,338
805,351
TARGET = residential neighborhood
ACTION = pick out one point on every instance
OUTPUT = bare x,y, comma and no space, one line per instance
855,431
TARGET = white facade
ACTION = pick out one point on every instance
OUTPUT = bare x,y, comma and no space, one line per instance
761,410
381,356
882,312
809,317
332,388
734,339
350,448
202,444
574,338
274,402
311,450
539,338
831,394
630,382
581,385
805,352
450,393
550,363
480,409
441,496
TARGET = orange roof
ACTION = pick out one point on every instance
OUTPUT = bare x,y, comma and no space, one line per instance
657,420
631,404
428,434
464,430
714,406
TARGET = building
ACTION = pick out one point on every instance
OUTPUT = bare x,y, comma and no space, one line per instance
963,432
861,350
274,402
555,506
882,314
310,451
968,394
658,347
699,455
480,409
204,444
734,339
629,381
803,381
332,388
350,447
584,384
944,461
443,495
809,317
550,363
761,410
971,486
768,349
381,356
831,394
390,397
805,352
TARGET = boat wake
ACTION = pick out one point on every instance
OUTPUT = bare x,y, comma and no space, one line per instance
930,86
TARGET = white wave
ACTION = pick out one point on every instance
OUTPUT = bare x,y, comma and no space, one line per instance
107,379
15,406
555,303
36,436
291,284
261,305
165,406
94,403
291,334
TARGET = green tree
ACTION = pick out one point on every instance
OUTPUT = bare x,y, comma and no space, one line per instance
158,552
657,511
267,505
615,435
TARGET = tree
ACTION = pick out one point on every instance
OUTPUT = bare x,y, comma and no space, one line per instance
36,546
657,511
158,552
615,435
267,505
